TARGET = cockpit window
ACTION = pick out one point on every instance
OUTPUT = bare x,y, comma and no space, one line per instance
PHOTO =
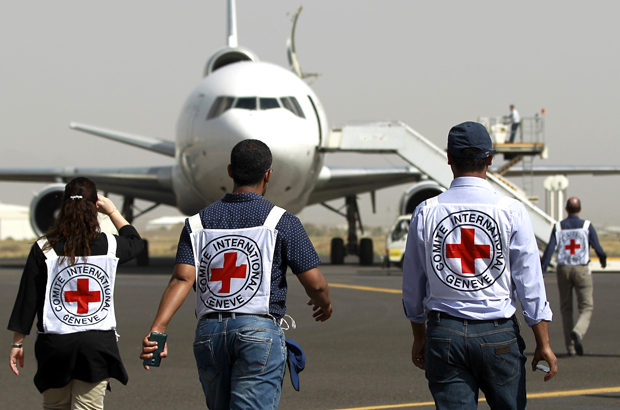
269,103
224,103
248,103
291,104
286,103
220,105
298,111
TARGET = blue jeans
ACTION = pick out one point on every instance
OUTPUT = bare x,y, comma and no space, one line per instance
241,362
463,356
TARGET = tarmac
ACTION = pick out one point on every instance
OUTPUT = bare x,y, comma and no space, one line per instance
359,359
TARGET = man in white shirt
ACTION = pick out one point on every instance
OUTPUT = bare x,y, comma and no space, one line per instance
469,252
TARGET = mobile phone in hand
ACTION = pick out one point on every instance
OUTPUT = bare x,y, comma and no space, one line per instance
543,368
160,338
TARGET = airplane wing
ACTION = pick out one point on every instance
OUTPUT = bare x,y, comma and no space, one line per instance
151,144
150,183
338,182
546,170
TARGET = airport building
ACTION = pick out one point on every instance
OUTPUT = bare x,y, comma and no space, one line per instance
15,222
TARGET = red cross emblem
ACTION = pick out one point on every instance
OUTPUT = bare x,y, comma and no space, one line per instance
467,251
572,246
83,296
228,272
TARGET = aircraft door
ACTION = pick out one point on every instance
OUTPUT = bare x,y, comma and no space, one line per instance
318,121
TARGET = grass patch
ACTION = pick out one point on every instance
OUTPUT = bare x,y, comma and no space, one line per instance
163,243
610,243
10,248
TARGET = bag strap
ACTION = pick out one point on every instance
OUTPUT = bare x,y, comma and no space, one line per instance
50,253
195,223
112,245
274,217
272,220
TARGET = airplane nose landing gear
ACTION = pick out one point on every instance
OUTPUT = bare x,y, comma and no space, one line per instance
128,207
364,250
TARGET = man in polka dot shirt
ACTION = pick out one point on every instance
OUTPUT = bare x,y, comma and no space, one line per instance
240,348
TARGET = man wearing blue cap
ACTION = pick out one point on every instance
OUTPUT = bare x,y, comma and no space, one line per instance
469,252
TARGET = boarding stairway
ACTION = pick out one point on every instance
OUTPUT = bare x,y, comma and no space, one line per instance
395,137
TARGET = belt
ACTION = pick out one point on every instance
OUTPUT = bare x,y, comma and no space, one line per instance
433,314
579,264
225,315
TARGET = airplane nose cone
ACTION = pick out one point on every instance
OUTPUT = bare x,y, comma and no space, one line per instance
292,146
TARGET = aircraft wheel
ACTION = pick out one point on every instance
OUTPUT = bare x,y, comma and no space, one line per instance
337,251
366,252
143,257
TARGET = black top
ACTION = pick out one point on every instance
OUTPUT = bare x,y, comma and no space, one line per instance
89,356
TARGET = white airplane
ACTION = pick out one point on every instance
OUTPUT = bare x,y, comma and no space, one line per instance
240,97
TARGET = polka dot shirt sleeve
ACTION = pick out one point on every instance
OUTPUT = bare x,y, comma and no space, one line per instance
297,250
185,253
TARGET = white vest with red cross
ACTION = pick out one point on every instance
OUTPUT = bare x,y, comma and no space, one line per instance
79,297
467,250
233,266
573,245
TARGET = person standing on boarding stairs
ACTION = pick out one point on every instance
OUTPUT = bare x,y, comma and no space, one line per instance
515,121
236,251
470,253
572,238
68,282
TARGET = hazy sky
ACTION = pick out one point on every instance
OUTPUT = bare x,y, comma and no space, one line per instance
129,65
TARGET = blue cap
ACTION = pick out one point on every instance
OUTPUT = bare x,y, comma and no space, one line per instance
296,360
469,135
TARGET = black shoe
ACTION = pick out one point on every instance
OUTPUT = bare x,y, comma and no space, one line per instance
578,345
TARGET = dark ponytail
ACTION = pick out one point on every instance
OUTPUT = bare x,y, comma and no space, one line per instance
77,221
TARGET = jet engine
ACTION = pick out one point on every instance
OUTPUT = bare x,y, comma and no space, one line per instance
396,239
418,193
45,206
228,55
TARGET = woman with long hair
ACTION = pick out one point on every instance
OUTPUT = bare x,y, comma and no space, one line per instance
68,283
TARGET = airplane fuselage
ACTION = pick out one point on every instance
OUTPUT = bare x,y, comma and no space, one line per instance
249,100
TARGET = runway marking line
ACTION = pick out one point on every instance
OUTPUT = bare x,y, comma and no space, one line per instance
368,288
566,393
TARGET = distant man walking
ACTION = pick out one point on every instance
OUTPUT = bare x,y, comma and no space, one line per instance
469,252
236,251
572,237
